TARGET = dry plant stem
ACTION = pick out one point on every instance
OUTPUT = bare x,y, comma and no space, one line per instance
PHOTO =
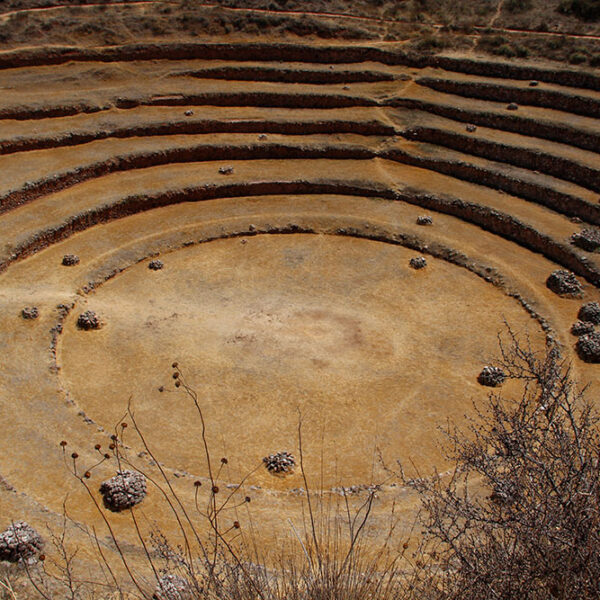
308,499
192,394
113,537
167,481
8,587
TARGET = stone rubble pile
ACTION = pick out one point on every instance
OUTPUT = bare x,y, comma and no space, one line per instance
419,262
590,312
124,490
588,347
30,312
281,462
424,220
491,376
564,283
587,239
172,587
582,328
69,260
20,542
156,265
89,320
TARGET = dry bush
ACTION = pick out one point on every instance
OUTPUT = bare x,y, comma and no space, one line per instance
519,517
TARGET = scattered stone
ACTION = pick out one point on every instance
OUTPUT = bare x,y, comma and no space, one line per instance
30,312
564,283
20,542
534,83
262,136
124,490
70,260
491,376
471,128
228,170
580,328
512,106
588,347
424,220
281,462
418,262
188,113
576,220
156,265
590,312
172,587
89,320
587,239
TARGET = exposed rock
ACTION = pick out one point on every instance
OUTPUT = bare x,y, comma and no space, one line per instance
512,106
124,490
588,347
564,283
172,587
281,462
69,260
582,328
188,113
156,265
227,170
30,312
471,128
418,262
20,542
424,220
587,239
89,320
491,376
534,83
590,312
262,136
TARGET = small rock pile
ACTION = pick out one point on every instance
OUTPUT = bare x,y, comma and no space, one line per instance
89,320
582,328
69,260
172,587
419,262
30,312
281,462
188,113
590,312
587,239
424,220
564,283
471,128
20,542
156,265
124,490
588,347
228,170
491,376
512,106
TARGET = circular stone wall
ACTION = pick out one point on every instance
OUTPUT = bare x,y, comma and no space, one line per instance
371,354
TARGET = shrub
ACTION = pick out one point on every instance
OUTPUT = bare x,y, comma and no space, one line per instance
520,515
589,10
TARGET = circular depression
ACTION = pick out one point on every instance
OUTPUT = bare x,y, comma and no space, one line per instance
338,332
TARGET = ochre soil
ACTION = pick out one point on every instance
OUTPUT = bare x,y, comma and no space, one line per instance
286,294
